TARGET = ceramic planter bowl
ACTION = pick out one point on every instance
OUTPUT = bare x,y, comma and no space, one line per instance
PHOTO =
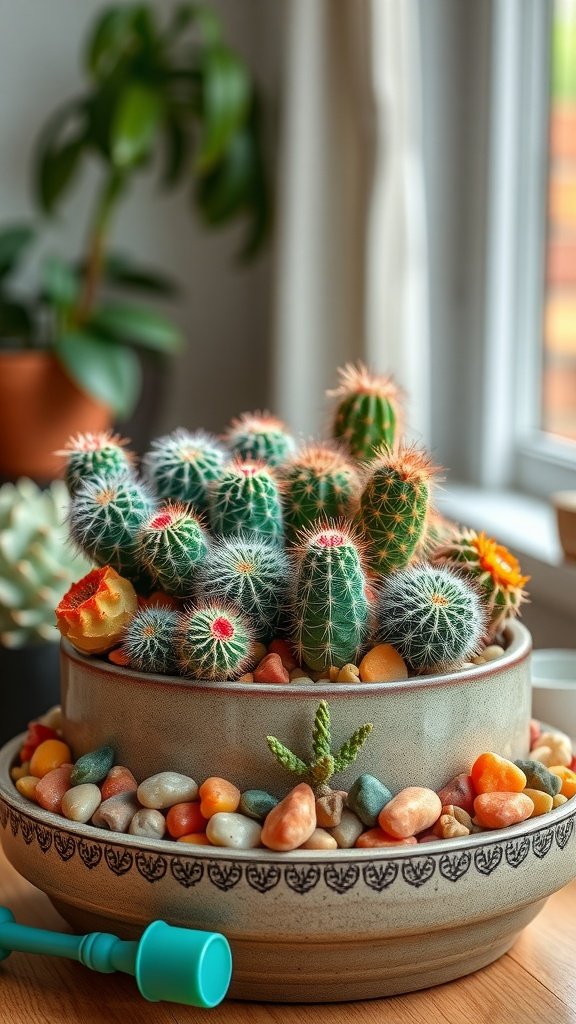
305,926
426,729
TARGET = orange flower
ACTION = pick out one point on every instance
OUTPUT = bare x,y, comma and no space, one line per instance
96,610
497,560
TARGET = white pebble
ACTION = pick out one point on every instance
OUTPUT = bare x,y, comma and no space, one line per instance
166,789
80,802
493,652
233,830
148,824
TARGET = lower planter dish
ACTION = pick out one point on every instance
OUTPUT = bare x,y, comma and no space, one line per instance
305,926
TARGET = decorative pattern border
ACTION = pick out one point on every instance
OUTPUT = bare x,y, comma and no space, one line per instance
264,876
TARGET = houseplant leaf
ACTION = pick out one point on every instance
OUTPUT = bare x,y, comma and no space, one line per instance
138,326
58,282
226,94
134,124
58,153
111,40
120,269
107,371
14,240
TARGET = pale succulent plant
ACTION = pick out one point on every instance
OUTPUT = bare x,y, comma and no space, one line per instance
37,563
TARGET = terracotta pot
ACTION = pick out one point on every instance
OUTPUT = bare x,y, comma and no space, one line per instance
39,408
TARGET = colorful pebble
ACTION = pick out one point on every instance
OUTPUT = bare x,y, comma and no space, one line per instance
494,774
539,777
166,789
195,839
559,744
460,792
348,674
185,818
48,755
52,787
329,807
218,795
116,812
292,821
80,802
382,664
234,831
256,804
271,670
367,797
498,809
375,837
448,827
285,653
148,823
320,840
543,802
347,832
412,810
118,780
27,787
567,779
94,766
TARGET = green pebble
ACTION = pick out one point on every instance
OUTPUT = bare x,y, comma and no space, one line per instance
92,767
255,803
367,797
538,777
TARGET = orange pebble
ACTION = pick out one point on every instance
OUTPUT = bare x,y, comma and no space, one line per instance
118,780
283,649
382,665
568,776
196,838
218,795
51,788
292,821
377,837
118,657
271,670
498,810
185,819
494,774
27,786
412,810
49,755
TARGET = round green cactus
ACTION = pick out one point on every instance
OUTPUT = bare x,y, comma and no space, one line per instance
261,437
149,641
88,455
368,411
319,482
432,616
105,517
37,563
330,610
182,465
245,499
172,544
215,641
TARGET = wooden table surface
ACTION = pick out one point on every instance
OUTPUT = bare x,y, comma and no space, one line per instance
533,984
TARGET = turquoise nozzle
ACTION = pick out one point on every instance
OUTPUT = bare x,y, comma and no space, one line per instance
180,965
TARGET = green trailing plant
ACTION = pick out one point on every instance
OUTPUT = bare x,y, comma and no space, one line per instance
318,482
368,411
215,641
172,544
394,506
88,455
155,88
182,465
105,517
253,574
37,564
432,616
323,764
245,499
329,608
260,436
149,641
493,569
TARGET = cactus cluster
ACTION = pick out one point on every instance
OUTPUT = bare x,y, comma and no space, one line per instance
329,548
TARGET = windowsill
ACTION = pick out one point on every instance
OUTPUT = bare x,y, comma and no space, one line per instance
527,526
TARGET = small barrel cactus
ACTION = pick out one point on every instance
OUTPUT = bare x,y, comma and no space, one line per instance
394,506
105,517
253,574
88,455
319,482
215,641
172,543
368,411
245,499
261,437
330,610
37,563
182,465
149,640
495,571
432,616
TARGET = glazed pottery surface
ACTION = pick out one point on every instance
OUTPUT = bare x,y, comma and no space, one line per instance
304,926
426,729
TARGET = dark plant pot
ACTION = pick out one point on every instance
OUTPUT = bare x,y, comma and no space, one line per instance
29,685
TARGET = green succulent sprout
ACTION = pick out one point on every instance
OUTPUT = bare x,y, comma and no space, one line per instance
324,764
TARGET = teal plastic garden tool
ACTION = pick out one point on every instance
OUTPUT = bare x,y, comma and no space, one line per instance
176,964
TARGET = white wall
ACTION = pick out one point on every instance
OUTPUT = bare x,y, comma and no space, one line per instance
225,310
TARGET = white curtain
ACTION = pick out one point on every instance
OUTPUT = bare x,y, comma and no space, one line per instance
351,277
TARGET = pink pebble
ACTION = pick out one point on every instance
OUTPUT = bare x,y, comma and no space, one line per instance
118,780
414,809
51,788
460,792
284,651
271,670
535,732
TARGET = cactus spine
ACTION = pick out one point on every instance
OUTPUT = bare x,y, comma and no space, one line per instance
261,437
105,517
88,455
368,411
172,544
319,482
432,616
149,641
182,465
494,570
394,506
245,499
215,642
330,610
253,574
